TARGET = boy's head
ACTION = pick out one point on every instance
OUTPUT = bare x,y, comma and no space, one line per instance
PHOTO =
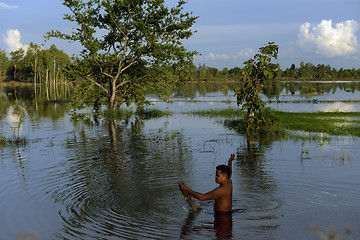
224,170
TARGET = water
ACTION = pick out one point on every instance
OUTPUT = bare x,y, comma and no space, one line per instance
78,181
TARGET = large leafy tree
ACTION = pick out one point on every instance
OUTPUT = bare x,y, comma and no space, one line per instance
129,47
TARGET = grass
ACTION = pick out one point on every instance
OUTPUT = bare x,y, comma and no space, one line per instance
332,123
151,113
13,141
145,114
227,112
116,114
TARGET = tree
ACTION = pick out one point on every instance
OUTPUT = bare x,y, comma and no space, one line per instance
252,78
4,62
16,60
31,59
129,46
236,71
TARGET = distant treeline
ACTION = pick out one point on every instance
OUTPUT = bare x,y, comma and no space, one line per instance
306,71
45,66
35,65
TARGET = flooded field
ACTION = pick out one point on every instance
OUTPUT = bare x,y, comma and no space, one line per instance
78,181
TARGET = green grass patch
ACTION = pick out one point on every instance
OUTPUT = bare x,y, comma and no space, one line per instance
332,123
13,141
151,113
228,113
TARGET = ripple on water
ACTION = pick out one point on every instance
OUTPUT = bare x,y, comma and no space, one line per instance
21,213
100,203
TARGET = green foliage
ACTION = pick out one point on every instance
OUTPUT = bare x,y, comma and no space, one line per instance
151,113
116,114
252,79
4,63
37,65
308,71
262,124
129,47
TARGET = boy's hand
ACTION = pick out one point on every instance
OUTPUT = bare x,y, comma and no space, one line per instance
182,186
232,156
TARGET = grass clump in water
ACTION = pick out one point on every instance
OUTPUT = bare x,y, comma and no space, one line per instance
332,123
13,141
275,122
262,124
228,113
151,113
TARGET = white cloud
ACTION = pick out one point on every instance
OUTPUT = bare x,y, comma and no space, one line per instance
247,52
6,6
244,53
328,40
214,57
12,40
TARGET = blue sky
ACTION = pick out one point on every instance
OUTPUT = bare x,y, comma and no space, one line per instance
229,32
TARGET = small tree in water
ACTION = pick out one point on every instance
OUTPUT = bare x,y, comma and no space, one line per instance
252,78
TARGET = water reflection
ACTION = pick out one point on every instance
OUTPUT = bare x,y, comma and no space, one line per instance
43,102
121,188
119,180
258,186
222,226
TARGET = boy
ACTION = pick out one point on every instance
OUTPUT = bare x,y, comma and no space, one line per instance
222,194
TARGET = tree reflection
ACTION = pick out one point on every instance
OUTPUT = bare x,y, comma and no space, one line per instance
222,226
258,185
45,103
127,175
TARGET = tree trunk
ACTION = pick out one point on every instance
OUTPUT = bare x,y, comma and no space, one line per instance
112,132
112,94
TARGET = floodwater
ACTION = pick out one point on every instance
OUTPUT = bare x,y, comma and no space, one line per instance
118,180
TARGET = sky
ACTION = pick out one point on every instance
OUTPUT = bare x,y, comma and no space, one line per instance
228,32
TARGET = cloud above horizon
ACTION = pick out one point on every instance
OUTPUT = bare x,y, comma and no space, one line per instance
12,39
244,53
6,6
330,41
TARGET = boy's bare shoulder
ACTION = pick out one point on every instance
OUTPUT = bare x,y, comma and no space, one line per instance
227,186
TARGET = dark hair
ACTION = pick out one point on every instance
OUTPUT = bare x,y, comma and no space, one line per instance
224,169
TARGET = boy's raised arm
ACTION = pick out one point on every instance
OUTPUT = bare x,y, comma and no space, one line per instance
232,156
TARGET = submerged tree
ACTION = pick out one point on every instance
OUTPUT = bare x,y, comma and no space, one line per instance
252,78
129,47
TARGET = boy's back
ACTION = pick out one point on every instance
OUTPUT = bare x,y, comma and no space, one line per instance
224,202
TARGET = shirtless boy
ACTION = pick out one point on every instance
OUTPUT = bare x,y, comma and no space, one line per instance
222,194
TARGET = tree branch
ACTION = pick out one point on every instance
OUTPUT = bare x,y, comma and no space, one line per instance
97,84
